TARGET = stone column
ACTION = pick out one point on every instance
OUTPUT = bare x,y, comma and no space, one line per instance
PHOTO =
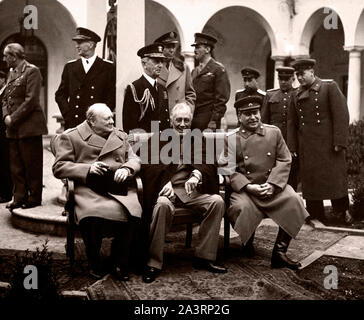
279,62
354,81
130,38
189,59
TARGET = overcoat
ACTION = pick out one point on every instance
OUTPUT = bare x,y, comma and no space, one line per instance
76,149
261,157
178,82
79,90
154,103
20,100
318,121
212,87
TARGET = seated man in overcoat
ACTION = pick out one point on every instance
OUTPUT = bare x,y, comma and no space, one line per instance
98,157
259,162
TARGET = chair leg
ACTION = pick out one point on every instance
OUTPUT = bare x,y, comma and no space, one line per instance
188,235
226,234
70,246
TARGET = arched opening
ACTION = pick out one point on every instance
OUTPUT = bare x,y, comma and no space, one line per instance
236,48
325,38
359,41
35,53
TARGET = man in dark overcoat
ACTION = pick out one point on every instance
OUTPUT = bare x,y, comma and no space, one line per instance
275,111
258,162
182,181
99,159
25,124
146,100
211,83
85,81
318,132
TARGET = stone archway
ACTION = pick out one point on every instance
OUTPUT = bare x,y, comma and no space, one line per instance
359,43
252,46
317,40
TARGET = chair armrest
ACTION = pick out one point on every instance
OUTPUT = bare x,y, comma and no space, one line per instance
139,186
70,201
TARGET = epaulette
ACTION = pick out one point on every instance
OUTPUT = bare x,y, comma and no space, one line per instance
232,132
327,80
261,92
69,130
108,61
71,61
270,125
273,89
240,90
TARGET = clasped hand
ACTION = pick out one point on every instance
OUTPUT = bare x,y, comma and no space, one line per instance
100,168
263,191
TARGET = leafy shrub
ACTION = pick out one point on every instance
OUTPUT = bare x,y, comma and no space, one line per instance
355,150
47,286
358,197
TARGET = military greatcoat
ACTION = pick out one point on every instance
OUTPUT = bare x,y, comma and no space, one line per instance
318,121
261,157
79,90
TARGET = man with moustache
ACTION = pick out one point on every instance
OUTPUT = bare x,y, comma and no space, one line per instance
275,111
145,99
85,81
175,74
258,162
211,84
318,132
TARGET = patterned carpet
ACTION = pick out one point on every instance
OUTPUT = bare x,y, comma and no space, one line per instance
247,279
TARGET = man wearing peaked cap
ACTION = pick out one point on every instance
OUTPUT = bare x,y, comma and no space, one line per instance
250,80
211,83
275,111
258,162
146,100
318,132
85,81
175,74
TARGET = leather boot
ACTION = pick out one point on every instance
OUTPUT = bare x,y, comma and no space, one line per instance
279,257
248,249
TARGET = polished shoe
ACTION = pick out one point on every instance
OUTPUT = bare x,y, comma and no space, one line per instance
5,199
150,274
248,250
30,204
120,274
14,204
199,263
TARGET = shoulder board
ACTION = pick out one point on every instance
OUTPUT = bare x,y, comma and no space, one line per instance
240,90
232,132
219,64
69,130
270,126
273,89
261,92
108,61
327,80
74,60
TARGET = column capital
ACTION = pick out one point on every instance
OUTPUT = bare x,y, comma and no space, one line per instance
353,48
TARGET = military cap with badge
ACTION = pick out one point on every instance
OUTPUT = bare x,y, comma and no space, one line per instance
248,103
83,34
204,38
249,72
303,64
168,38
154,50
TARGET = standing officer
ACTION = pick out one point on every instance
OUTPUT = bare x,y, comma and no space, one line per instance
175,74
211,83
318,132
85,81
250,81
146,100
275,111
25,125
259,177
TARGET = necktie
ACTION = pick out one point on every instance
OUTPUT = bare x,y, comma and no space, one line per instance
87,61
155,86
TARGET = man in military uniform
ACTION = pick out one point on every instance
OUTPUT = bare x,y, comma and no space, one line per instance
146,100
211,84
85,81
318,132
250,80
25,124
275,111
258,162
175,74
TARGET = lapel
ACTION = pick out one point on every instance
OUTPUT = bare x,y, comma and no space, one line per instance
94,70
113,142
88,135
173,75
163,77
19,71
246,134
207,68
79,71
305,93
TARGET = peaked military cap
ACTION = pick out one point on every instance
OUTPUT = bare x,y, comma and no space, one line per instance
83,34
248,103
285,72
203,38
250,72
303,64
167,38
154,50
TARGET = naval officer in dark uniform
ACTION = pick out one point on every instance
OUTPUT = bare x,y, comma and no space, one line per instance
275,111
85,81
211,83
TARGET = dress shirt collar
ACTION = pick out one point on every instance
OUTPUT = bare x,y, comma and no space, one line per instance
150,79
